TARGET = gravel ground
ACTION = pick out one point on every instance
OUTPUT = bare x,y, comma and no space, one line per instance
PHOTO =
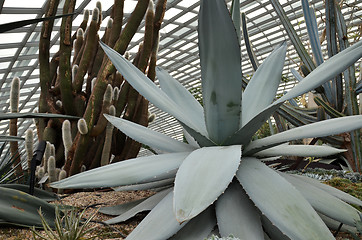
86,199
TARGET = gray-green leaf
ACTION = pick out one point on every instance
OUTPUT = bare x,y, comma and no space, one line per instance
280,202
145,205
148,89
160,222
300,151
199,227
330,206
237,215
202,177
127,172
266,77
318,129
220,70
21,208
147,136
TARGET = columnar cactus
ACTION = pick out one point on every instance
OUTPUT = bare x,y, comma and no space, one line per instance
29,146
52,172
87,84
40,173
46,156
13,127
82,126
67,137
62,175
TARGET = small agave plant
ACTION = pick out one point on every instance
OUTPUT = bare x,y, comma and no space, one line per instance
219,178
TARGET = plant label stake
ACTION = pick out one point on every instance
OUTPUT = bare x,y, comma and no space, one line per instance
35,161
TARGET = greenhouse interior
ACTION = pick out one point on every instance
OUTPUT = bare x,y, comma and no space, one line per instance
188,106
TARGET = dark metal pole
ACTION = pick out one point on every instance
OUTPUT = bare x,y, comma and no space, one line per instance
36,161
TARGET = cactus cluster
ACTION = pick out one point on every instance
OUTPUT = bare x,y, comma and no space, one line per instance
80,80
48,171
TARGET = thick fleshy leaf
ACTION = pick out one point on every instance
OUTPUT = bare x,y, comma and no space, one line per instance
149,90
127,172
39,193
235,16
335,225
145,205
280,202
326,71
298,113
266,77
21,208
272,230
311,23
299,151
146,186
160,176
202,178
190,140
220,70
243,136
148,137
199,227
323,202
318,129
181,96
296,74
201,140
266,237
237,215
121,208
160,223
331,190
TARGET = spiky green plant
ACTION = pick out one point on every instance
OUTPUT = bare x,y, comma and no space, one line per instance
333,102
218,178
69,225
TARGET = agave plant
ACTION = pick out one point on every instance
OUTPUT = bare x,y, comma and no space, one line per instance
218,177
332,100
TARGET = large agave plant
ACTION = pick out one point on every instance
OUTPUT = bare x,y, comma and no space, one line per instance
219,178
